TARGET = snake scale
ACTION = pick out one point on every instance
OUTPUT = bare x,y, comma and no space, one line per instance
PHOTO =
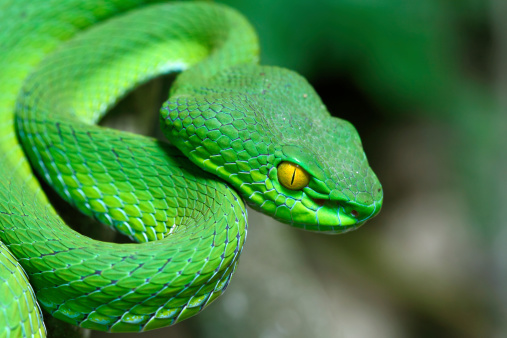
238,132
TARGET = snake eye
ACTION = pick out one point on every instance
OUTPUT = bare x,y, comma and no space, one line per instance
292,176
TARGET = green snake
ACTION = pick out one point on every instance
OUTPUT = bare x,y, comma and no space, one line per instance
238,132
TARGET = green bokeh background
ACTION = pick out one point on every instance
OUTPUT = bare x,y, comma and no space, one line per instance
425,84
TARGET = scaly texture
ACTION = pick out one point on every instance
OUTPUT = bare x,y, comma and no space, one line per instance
64,64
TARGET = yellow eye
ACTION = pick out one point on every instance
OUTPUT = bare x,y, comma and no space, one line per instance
292,176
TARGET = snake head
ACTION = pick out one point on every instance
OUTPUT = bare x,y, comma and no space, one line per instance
266,132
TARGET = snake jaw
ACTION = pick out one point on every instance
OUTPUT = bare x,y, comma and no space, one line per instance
358,212
337,215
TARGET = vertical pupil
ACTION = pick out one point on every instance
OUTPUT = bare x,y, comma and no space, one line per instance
293,177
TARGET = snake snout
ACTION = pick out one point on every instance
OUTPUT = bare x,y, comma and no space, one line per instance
361,212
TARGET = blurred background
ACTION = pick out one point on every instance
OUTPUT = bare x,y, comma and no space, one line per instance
425,84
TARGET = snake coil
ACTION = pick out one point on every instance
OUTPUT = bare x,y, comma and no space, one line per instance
231,124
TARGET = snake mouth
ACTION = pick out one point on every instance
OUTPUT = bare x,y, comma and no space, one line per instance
332,212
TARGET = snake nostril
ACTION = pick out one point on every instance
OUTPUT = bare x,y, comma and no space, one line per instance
320,201
354,213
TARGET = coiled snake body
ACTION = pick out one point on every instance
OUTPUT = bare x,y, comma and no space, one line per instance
242,132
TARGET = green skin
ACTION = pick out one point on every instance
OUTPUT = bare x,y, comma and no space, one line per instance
232,121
